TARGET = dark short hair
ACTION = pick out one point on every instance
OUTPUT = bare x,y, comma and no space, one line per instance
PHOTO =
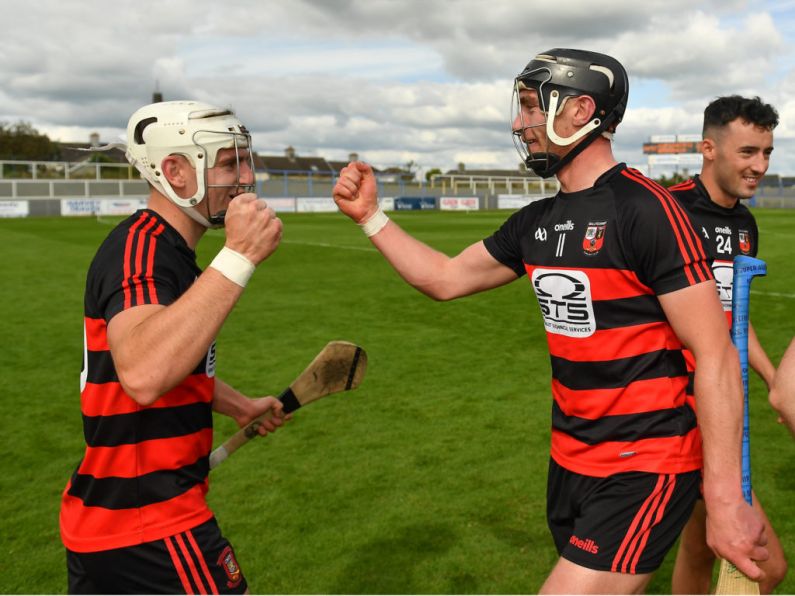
727,109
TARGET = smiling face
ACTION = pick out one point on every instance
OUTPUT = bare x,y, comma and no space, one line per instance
736,156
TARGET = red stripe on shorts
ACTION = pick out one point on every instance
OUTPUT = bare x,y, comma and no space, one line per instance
183,577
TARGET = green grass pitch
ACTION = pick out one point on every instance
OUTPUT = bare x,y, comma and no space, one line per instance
430,478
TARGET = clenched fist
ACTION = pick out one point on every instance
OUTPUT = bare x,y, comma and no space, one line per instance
356,191
252,228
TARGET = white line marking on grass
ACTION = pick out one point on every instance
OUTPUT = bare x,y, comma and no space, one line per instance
776,294
326,245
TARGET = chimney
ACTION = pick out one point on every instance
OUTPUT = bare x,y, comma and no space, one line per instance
157,97
94,139
461,166
289,153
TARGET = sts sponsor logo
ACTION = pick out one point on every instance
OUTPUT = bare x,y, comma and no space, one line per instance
565,301
723,271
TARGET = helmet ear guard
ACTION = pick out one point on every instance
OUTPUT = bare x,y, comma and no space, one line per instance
557,75
195,130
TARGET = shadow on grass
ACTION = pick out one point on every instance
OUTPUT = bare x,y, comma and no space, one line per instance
388,565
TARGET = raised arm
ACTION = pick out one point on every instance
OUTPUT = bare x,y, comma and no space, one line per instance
431,272
156,347
734,531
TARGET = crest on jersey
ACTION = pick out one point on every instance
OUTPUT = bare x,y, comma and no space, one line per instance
231,568
594,237
745,241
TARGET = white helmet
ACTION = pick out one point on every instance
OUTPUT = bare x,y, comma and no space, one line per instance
190,128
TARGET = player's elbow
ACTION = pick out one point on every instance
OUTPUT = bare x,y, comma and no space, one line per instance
140,385
776,398
437,292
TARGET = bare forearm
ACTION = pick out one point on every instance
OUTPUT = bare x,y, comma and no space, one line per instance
417,263
758,359
157,354
782,391
719,404
435,274
230,402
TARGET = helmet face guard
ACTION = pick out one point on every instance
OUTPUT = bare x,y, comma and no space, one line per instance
555,76
195,130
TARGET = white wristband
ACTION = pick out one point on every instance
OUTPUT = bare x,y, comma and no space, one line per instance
233,266
375,223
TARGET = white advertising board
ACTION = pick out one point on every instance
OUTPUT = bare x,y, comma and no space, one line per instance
315,205
115,206
281,204
14,209
459,203
79,207
516,201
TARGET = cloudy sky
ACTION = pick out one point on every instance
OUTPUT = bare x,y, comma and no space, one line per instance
422,80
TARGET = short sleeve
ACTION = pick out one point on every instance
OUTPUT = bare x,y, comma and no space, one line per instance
133,272
659,240
505,244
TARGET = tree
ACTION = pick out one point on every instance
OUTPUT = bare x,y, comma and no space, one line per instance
431,173
675,178
23,142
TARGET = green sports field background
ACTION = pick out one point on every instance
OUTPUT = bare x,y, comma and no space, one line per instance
430,478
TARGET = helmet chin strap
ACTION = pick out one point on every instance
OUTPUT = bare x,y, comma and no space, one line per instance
548,164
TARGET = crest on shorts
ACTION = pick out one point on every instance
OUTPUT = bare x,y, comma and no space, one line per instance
594,237
745,241
231,568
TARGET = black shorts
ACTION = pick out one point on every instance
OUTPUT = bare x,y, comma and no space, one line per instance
199,561
625,523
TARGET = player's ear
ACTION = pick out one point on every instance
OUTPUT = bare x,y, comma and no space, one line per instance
584,108
708,149
176,170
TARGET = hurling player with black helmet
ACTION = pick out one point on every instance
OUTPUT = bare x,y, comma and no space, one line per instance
736,147
134,518
623,285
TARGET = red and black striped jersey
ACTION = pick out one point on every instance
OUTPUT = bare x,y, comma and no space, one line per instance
725,234
597,260
144,472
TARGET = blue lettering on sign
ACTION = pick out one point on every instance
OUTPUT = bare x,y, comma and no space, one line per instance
415,203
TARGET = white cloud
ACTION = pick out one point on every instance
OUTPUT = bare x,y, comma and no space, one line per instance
415,79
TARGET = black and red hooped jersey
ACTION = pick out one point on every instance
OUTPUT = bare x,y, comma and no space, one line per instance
144,472
597,260
725,234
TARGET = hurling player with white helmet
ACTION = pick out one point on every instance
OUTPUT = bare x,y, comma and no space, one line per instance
134,518
623,286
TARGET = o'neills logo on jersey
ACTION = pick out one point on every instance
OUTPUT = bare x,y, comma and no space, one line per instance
745,241
723,272
594,237
565,227
565,301
587,545
210,366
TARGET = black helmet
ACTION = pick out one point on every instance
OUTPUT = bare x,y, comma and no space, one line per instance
561,73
